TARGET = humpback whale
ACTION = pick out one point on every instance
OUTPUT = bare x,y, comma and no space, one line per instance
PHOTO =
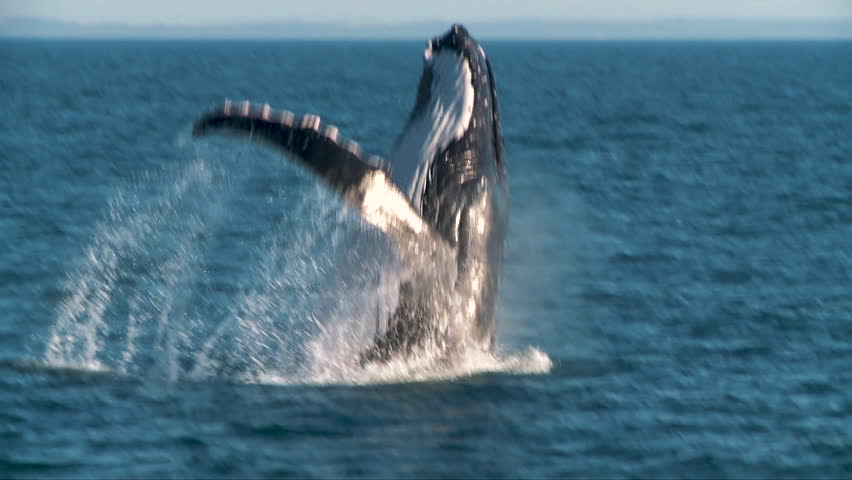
442,195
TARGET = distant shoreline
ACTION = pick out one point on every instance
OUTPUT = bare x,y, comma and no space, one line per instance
368,40
533,30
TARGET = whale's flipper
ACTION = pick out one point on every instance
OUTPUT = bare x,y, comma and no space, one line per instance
366,185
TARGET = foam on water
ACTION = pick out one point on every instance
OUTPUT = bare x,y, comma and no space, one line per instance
417,368
316,288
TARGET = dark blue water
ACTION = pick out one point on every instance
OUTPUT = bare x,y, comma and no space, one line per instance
676,299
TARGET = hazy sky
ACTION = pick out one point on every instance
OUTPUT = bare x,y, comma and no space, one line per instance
234,11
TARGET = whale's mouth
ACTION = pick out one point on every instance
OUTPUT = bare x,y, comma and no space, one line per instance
456,39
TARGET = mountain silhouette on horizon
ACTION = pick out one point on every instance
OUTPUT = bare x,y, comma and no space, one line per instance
666,28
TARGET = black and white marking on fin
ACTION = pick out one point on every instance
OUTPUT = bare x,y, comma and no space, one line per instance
331,132
362,180
311,122
286,118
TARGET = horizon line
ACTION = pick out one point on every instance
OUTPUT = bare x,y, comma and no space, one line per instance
660,28
384,23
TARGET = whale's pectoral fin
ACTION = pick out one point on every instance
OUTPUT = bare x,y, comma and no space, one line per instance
365,185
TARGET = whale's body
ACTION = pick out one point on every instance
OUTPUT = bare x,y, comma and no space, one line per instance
442,196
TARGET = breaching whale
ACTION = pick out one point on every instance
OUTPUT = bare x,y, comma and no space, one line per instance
442,195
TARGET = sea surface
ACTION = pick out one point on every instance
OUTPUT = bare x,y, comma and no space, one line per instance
676,297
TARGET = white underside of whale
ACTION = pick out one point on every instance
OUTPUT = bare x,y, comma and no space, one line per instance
445,119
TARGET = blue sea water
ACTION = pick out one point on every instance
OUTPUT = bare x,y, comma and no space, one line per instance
676,297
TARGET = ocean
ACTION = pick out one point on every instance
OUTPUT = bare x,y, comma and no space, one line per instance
676,297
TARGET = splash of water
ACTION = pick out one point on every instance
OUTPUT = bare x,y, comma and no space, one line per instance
127,235
309,296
